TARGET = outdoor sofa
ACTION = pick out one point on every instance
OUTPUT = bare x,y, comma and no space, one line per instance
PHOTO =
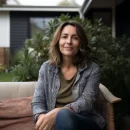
15,105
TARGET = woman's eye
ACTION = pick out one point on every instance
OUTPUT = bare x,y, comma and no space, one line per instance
76,38
64,37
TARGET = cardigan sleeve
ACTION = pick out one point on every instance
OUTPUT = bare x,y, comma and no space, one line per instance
39,97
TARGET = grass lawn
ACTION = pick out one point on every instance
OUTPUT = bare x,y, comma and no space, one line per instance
6,77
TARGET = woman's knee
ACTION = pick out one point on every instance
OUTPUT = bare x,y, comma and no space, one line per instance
66,119
65,114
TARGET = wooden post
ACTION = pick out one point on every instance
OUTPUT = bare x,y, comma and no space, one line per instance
114,19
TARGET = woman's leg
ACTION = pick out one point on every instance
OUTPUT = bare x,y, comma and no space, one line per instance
68,120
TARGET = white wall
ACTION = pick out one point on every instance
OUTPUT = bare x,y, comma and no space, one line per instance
4,29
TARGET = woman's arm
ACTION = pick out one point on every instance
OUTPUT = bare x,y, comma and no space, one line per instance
39,98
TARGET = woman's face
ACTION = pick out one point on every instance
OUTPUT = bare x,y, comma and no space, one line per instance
69,41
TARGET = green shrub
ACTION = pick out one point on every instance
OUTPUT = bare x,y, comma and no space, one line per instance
28,66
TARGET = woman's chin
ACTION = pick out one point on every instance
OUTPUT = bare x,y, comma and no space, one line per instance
68,55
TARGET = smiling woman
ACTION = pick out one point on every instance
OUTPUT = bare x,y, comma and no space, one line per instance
67,87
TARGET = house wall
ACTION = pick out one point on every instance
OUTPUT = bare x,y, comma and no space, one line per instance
4,29
4,37
20,26
19,30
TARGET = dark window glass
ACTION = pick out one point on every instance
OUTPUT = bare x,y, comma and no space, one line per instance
37,25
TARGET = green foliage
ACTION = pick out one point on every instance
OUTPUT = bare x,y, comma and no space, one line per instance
28,65
110,53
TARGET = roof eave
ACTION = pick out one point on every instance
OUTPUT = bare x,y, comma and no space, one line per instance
85,6
39,8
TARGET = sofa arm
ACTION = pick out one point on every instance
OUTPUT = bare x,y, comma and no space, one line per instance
108,95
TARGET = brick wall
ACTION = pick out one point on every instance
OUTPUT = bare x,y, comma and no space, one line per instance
2,56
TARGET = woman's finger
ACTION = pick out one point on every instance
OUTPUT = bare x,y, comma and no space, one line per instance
38,124
51,124
45,124
40,121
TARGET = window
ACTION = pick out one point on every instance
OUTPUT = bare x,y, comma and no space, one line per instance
37,25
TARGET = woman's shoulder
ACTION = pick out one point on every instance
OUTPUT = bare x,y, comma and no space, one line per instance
91,67
47,65
94,67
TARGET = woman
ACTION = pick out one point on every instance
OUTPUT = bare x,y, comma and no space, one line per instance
67,86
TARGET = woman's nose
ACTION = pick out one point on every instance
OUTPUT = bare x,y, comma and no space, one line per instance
69,41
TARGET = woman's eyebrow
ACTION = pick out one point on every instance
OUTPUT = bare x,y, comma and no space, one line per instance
68,34
64,34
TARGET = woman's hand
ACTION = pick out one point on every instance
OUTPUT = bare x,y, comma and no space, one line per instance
41,122
47,121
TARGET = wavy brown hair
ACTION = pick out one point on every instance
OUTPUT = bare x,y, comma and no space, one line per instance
81,58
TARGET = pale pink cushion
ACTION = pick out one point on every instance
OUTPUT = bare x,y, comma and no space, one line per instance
16,114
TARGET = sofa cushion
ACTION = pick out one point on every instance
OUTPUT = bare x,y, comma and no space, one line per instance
16,113
11,90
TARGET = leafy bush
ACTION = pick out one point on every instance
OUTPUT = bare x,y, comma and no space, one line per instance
28,60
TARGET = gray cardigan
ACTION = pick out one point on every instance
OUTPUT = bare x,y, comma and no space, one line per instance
84,91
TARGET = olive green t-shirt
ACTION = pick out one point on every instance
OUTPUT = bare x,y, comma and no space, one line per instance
64,95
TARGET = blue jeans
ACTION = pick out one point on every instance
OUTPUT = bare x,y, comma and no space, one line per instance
68,120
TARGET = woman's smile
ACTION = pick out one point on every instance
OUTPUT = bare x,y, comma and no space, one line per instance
69,48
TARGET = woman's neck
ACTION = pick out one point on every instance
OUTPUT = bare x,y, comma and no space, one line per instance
67,62
68,69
